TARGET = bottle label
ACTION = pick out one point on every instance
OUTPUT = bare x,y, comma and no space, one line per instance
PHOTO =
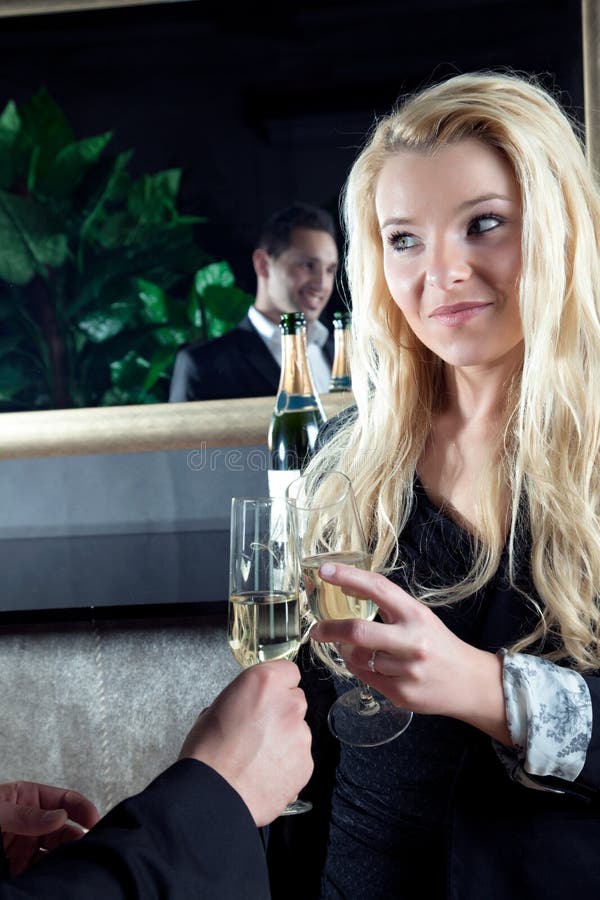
340,383
278,480
292,402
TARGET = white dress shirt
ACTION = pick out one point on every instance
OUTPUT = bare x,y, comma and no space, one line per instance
316,337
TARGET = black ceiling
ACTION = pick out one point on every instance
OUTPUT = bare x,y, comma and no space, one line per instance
321,50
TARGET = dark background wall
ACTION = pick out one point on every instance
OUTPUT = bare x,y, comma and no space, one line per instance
265,105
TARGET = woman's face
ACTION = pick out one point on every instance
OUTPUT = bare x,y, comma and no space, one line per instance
450,224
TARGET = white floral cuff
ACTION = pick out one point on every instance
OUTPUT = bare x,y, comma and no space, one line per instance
549,717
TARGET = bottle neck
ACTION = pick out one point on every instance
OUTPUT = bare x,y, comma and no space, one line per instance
296,377
340,370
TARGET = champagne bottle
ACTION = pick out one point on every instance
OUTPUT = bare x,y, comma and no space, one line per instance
340,371
298,413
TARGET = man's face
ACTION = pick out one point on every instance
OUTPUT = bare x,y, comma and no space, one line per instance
301,278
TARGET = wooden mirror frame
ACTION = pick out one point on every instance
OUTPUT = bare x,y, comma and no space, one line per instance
132,429
45,7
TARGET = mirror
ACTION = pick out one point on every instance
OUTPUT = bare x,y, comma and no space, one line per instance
255,110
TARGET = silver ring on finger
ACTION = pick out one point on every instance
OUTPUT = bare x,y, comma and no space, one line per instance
371,662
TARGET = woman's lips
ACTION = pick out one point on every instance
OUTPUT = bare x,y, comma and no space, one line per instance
457,314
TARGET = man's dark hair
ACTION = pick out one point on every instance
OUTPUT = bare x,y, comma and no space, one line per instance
276,233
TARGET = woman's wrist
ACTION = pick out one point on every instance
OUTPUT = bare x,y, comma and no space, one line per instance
484,705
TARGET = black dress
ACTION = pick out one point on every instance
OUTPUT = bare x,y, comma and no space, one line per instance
379,828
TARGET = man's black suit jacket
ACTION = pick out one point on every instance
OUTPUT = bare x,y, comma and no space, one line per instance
238,364
187,836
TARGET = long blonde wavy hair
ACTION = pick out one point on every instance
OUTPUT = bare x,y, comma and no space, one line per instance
548,448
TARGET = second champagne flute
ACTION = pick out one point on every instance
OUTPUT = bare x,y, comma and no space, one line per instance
326,528
264,614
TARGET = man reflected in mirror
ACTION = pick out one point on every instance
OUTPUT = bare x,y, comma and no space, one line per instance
295,261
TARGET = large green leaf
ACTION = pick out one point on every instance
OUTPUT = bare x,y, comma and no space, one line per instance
21,379
178,316
108,183
45,131
195,313
30,239
230,304
218,273
224,308
161,363
10,127
12,381
152,198
67,169
110,231
130,371
153,300
173,337
103,324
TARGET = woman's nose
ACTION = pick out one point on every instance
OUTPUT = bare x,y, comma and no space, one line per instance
447,266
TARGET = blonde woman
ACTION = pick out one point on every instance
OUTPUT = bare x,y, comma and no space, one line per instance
473,235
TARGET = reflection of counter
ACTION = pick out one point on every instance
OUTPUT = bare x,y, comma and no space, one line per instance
94,525
121,530
93,574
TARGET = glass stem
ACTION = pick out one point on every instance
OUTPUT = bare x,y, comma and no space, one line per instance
368,705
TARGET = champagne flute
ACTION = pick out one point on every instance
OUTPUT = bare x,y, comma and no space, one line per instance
264,607
325,525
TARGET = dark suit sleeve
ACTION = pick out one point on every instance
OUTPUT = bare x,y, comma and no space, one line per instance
185,381
237,364
187,835
291,839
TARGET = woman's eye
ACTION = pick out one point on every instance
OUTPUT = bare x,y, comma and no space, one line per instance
484,223
402,241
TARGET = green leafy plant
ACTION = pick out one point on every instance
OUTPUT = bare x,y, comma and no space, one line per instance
101,277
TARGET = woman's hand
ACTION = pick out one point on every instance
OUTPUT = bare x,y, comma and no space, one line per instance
419,663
